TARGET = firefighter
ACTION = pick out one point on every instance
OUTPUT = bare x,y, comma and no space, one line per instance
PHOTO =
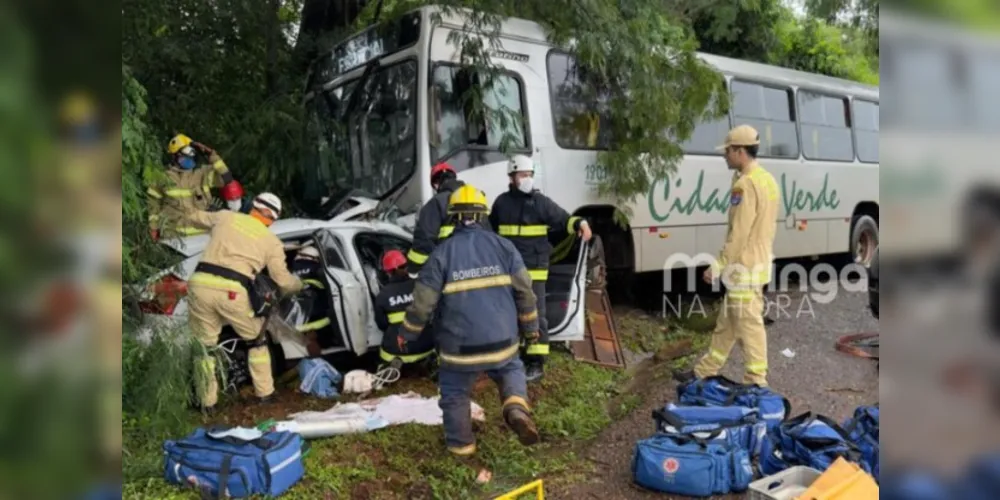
313,299
185,186
744,265
432,224
241,247
477,289
525,216
390,307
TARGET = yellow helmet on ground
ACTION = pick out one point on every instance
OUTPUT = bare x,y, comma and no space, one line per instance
179,142
467,200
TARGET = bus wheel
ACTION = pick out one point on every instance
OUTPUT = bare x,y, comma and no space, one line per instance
864,240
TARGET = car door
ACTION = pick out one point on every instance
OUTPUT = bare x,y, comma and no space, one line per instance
566,297
349,294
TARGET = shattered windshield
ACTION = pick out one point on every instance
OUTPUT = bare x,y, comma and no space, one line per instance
368,144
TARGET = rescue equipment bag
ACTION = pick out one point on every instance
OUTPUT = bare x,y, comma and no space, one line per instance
863,432
262,290
721,391
735,426
688,466
810,440
235,467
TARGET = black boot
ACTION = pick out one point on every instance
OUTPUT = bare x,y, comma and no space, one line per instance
684,376
266,400
523,426
534,370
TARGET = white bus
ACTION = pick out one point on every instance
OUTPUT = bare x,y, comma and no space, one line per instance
820,139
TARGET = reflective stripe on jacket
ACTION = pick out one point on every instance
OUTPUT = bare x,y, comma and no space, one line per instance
432,226
477,289
172,192
526,220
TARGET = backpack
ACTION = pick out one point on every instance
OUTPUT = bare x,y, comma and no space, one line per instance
229,466
721,391
731,425
688,466
808,440
863,432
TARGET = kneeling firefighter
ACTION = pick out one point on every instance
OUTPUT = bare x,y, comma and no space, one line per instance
227,287
313,300
479,293
390,308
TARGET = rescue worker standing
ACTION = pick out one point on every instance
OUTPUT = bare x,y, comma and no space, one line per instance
240,248
308,268
524,216
744,265
185,186
432,226
390,308
477,289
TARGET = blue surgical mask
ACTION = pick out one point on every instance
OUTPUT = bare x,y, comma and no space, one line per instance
187,162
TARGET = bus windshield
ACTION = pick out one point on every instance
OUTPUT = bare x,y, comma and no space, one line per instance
365,141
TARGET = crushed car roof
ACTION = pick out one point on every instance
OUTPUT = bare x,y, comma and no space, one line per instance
193,245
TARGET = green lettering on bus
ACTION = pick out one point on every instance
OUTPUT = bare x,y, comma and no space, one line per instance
794,199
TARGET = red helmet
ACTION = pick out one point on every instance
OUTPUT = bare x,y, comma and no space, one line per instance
439,169
392,260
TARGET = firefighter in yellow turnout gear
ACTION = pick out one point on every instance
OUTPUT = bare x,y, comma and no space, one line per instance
241,247
185,186
745,263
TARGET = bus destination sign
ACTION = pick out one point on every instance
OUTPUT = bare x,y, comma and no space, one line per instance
373,43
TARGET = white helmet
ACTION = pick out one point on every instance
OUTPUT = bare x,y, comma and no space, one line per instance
310,252
267,202
520,163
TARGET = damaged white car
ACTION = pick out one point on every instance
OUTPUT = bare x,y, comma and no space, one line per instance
351,245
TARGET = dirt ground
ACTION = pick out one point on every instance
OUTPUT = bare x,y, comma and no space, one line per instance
817,379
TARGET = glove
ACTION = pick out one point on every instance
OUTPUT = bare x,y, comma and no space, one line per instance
532,337
203,148
155,234
401,343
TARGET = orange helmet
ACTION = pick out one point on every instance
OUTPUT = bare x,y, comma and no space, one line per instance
392,260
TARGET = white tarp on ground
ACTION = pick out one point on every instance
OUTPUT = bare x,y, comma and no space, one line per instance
371,414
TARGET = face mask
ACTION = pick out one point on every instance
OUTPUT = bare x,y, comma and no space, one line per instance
186,162
526,185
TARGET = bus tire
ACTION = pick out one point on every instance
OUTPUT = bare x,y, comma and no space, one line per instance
864,239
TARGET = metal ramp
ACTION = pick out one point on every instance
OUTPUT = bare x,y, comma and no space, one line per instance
600,345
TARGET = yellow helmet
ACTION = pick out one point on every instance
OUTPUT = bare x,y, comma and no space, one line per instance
467,200
179,142
78,108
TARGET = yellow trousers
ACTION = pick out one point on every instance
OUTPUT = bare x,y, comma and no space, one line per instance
211,310
741,320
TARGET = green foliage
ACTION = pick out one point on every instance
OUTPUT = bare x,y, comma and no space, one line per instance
221,73
813,45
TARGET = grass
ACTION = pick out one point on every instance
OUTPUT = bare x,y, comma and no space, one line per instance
410,462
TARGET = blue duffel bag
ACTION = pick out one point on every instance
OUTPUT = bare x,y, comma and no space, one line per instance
810,440
688,466
863,432
721,391
221,464
731,425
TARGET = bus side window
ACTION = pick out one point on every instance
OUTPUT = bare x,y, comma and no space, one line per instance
826,132
770,110
866,125
578,112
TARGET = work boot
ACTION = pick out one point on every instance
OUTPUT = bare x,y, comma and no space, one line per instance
684,376
534,371
521,423
266,400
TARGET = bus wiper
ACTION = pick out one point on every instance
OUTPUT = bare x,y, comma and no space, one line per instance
359,88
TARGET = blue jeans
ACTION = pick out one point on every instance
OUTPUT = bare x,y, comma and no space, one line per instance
456,392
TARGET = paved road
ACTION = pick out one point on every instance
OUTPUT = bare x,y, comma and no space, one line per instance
817,379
